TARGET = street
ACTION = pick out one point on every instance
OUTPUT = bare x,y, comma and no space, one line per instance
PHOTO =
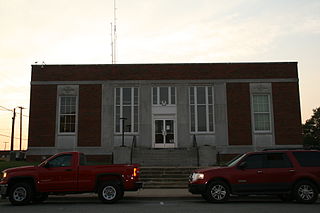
132,203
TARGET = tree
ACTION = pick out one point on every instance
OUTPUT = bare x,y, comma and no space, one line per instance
311,130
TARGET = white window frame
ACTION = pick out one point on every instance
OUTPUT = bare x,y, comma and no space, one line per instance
253,113
195,104
133,105
75,114
169,96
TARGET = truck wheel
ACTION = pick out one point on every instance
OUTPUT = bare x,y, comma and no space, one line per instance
217,192
305,192
20,194
110,192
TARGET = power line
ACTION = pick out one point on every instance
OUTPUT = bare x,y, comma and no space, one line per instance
14,137
10,110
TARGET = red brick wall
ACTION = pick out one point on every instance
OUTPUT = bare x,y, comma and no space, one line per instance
164,71
287,116
89,129
239,114
42,122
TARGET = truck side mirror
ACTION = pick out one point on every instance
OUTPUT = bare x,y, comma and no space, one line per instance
46,165
242,165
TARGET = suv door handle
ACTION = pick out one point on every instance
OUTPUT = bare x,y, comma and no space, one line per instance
292,170
259,172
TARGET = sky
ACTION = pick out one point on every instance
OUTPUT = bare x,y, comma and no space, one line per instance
157,31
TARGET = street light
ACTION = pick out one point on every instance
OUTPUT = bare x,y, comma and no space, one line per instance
123,120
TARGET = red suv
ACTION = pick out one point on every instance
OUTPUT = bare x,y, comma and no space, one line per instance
291,174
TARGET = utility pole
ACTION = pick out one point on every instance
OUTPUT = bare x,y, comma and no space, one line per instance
12,154
5,145
21,108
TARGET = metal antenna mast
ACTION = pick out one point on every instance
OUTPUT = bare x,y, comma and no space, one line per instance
114,34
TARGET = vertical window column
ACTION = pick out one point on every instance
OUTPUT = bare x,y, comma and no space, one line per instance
261,112
67,114
126,106
201,109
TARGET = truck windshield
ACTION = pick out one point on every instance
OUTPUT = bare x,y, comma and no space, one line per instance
235,160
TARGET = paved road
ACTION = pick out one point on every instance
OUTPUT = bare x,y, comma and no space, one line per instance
192,204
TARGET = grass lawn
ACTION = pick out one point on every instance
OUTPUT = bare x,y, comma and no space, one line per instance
10,164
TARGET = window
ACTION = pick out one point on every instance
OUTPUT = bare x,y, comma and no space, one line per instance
60,161
201,109
126,106
163,95
254,161
277,160
308,159
67,112
261,112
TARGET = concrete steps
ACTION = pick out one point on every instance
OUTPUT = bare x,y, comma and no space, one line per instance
165,157
165,177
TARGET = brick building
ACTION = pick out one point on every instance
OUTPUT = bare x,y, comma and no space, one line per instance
175,114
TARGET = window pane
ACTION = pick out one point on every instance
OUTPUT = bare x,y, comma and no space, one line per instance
262,122
260,103
192,112
308,159
173,95
127,114
201,95
202,119
135,119
210,96
155,95
117,96
191,89
277,160
164,95
118,119
211,118
126,96
136,96
254,161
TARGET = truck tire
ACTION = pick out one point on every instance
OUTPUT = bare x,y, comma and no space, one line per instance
217,192
20,194
110,192
305,192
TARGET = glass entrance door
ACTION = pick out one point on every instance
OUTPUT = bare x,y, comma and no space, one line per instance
164,133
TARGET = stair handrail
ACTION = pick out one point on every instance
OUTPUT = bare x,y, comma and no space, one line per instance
133,145
195,144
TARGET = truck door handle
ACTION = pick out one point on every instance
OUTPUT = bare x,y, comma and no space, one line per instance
68,170
292,170
259,172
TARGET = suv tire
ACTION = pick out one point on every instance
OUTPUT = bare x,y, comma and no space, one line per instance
305,192
217,192
20,194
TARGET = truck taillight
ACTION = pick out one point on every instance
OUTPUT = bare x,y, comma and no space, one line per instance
135,171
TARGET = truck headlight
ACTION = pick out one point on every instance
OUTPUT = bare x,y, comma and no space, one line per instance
197,176
3,175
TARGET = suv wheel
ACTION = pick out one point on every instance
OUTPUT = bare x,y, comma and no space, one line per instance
20,194
110,192
217,191
305,192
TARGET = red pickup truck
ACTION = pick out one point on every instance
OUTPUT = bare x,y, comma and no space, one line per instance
68,173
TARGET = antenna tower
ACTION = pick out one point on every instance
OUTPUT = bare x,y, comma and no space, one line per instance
114,34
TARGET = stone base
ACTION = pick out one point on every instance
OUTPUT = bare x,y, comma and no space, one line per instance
207,156
122,155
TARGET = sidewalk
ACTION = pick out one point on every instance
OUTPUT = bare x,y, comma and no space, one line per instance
165,193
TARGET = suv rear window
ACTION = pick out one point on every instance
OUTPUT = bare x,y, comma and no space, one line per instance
308,159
